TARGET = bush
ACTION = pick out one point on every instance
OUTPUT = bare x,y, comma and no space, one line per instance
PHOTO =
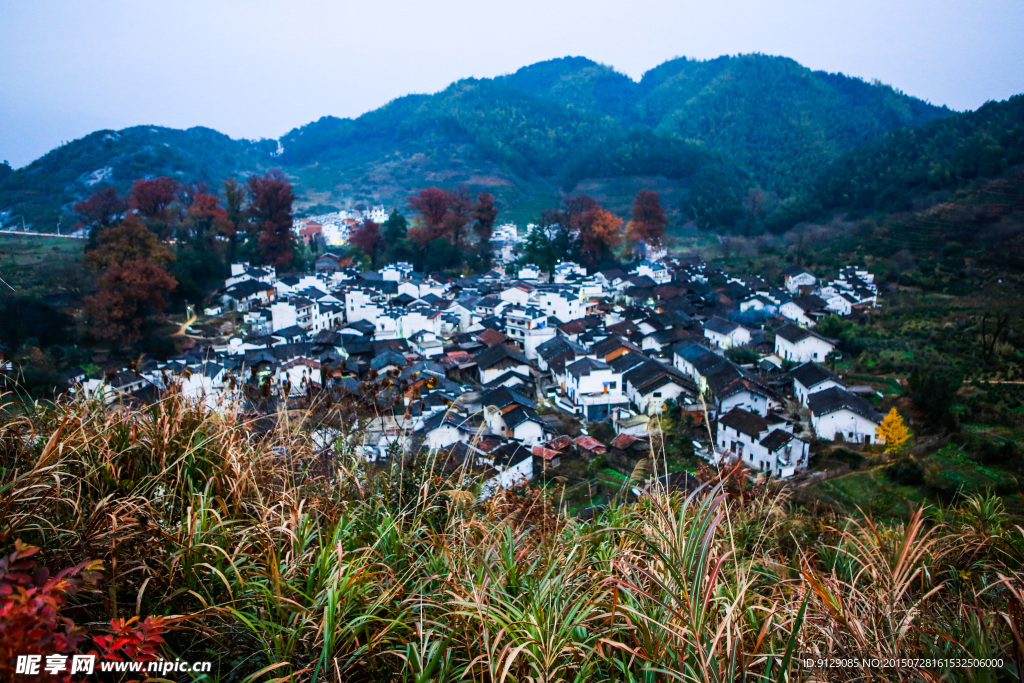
845,455
906,472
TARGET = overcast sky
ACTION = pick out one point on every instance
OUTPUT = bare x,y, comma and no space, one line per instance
257,68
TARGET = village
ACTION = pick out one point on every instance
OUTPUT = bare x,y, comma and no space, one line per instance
511,375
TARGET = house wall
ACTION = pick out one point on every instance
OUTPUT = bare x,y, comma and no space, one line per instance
801,392
529,433
807,349
496,372
652,402
851,427
747,400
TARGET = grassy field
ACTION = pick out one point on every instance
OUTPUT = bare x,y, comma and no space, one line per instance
230,552
32,261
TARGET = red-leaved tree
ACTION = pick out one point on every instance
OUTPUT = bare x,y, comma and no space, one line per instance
367,238
133,285
103,208
151,198
649,221
270,204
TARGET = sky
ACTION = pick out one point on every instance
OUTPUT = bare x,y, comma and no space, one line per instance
257,68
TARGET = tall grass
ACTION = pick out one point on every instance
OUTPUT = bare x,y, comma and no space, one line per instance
296,567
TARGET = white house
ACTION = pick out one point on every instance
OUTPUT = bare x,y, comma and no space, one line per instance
529,272
594,388
797,278
726,334
794,343
810,378
761,444
841,416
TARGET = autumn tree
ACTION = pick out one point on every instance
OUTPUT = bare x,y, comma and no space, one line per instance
151,198
270,204
458,215
485,213
599,236
432,205
367,238
206,218
133,284
647,228
893,432
102,208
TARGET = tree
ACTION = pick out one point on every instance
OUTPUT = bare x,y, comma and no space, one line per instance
893,432
484,215
129,297
649,222
133,285
206,218
270,203
103,208
432,205
933,390
151,198
536,249
130,240
600,234
367,238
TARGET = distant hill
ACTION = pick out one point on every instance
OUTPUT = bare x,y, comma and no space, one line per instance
701,132
46,189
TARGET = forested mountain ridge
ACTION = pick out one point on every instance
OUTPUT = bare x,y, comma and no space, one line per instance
44,190
705,133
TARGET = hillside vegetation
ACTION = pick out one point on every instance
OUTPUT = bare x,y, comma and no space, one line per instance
247,547
727,125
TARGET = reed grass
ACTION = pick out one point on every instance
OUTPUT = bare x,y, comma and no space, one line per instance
293,566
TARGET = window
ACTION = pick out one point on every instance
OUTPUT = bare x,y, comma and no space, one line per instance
657,394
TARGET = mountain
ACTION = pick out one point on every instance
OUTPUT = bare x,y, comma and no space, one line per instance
45,190
704,133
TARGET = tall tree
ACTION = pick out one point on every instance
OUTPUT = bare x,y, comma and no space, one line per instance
133,284
152,197
893,432
536,249
103,208
270,203
396,246
600,235
647,228
485,213
432,205
367,238
206,218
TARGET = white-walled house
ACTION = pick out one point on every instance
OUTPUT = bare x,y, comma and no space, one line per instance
496,360
810,378
594,388
838,415
760,444
726,334
797,278
794,343
528,272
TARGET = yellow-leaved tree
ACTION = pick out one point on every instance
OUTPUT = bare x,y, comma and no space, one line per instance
893,432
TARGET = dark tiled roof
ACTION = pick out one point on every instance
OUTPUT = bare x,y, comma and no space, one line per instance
777,439
811,374
744,422
519,415
511,454
503,397
721,325
584,366
834,399
493,355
